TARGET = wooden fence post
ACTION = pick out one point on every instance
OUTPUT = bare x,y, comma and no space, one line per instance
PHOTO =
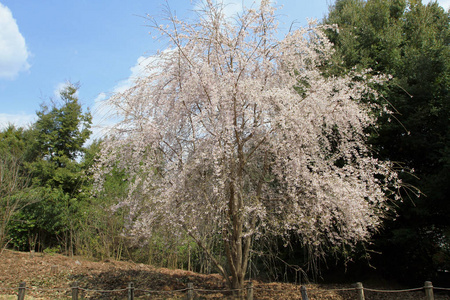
130,291
250,291
360,290
303,292
75,290
190,292
22,289
429,295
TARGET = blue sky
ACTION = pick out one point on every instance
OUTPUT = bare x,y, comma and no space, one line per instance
44,44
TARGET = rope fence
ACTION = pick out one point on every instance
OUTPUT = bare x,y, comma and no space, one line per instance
394,291
191,292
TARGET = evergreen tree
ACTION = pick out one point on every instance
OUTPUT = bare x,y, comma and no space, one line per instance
60,133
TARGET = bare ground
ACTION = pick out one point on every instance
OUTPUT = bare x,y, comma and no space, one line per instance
51,277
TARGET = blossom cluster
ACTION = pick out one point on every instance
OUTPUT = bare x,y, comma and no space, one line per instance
238,133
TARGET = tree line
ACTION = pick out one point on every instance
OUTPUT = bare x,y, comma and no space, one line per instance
258,171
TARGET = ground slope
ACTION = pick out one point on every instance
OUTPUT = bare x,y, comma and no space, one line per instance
51,277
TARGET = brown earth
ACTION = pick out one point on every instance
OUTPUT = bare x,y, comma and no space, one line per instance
51,277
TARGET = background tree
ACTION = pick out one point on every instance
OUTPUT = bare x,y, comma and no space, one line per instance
59,136
410,41
237,134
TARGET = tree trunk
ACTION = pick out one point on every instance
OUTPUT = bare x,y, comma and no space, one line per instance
237,257
237,246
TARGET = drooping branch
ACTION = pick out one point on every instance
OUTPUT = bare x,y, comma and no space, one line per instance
209,254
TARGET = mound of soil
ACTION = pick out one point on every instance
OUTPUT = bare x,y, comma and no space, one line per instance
52,276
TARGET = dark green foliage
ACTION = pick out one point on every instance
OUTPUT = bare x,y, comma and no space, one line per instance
57,175
410,41
16,142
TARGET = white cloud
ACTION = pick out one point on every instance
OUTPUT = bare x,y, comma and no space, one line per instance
19,120
60,87
137,71
232,8
445,4
103,116
13,50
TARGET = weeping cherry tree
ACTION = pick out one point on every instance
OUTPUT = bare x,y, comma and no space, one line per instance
237,133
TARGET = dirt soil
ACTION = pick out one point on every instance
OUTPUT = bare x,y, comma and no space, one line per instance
52,276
